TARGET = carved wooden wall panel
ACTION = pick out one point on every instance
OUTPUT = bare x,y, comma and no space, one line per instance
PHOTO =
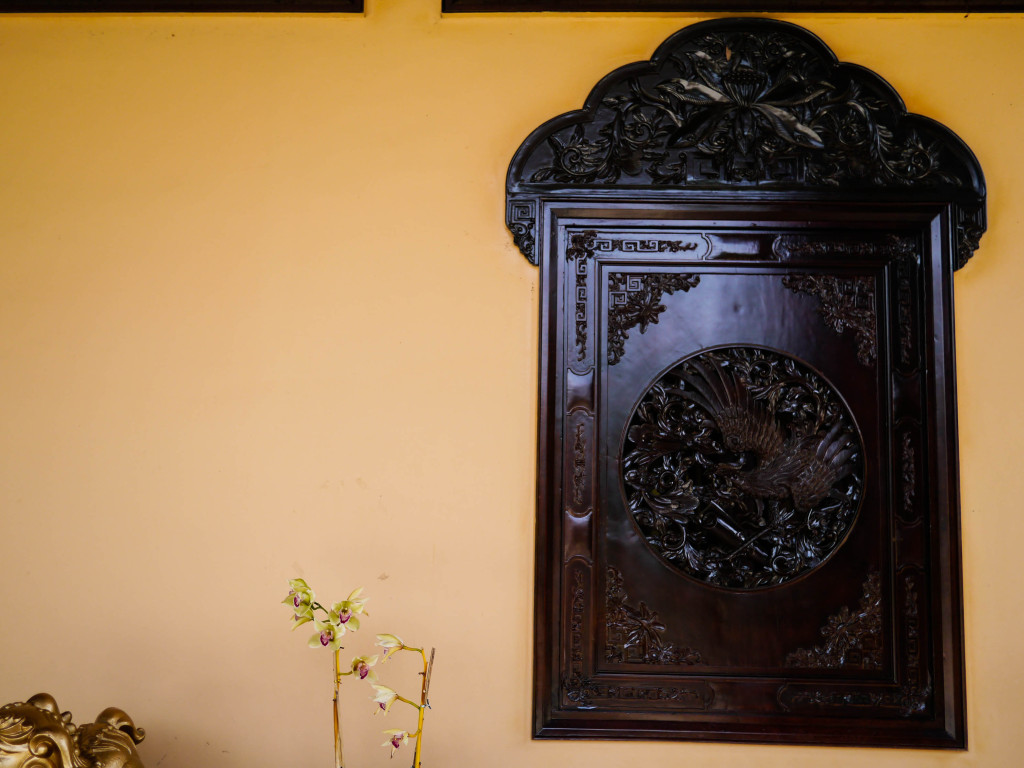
747,493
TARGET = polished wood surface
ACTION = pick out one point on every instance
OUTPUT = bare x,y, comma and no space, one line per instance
748,523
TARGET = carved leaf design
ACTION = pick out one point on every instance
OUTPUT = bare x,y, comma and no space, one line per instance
852,638
635,633
635,300
845,303
739,107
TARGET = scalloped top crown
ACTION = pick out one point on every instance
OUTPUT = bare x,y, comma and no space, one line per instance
746,103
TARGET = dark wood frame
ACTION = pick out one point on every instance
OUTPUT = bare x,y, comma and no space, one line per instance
632,184
181,6
732,6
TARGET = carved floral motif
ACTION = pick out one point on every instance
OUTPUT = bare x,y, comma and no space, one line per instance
852,638
738,107
742,467
910,697
635,633
845,303
635,300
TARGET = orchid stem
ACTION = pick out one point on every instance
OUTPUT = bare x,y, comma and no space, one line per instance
422,708
338,760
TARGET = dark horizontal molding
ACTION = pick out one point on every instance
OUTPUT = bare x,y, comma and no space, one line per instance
181,6
805,6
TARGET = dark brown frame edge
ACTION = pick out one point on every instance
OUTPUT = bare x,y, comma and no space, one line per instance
728,6
954,220
181,6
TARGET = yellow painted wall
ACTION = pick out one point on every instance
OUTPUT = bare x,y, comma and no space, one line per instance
260,317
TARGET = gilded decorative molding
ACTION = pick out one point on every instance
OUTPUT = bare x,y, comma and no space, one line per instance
36,734
852,638
634,634
844,304
635,300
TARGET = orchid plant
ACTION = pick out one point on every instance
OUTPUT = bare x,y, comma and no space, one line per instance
331,625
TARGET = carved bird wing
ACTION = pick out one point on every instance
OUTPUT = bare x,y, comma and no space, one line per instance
806,469
831,459
744,423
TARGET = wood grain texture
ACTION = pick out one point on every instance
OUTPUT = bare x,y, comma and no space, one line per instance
748,516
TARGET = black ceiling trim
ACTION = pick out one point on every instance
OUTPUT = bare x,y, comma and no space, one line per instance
730,6
181,6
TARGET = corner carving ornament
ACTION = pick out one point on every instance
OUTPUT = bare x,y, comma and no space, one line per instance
634,634
852,638
635,300
845,304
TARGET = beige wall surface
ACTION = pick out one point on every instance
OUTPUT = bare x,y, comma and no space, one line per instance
260,318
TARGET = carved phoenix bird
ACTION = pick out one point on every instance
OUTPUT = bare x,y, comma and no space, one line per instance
802,467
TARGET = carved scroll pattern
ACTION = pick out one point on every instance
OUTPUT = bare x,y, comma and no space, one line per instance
522,215
845,303
634,634
635,300
576,685
645,245
580,252
916,688
742,468
853,639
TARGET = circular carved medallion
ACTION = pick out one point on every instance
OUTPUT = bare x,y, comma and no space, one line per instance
742,467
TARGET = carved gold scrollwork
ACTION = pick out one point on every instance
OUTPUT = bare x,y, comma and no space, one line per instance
36,734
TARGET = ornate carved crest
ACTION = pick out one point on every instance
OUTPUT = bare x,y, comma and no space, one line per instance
748,104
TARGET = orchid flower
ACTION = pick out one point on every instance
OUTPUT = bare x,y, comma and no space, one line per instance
391,644
345,611
385,697
396,738
328,635
361,666
301,598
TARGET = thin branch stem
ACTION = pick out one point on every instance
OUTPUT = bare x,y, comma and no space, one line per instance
338,761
